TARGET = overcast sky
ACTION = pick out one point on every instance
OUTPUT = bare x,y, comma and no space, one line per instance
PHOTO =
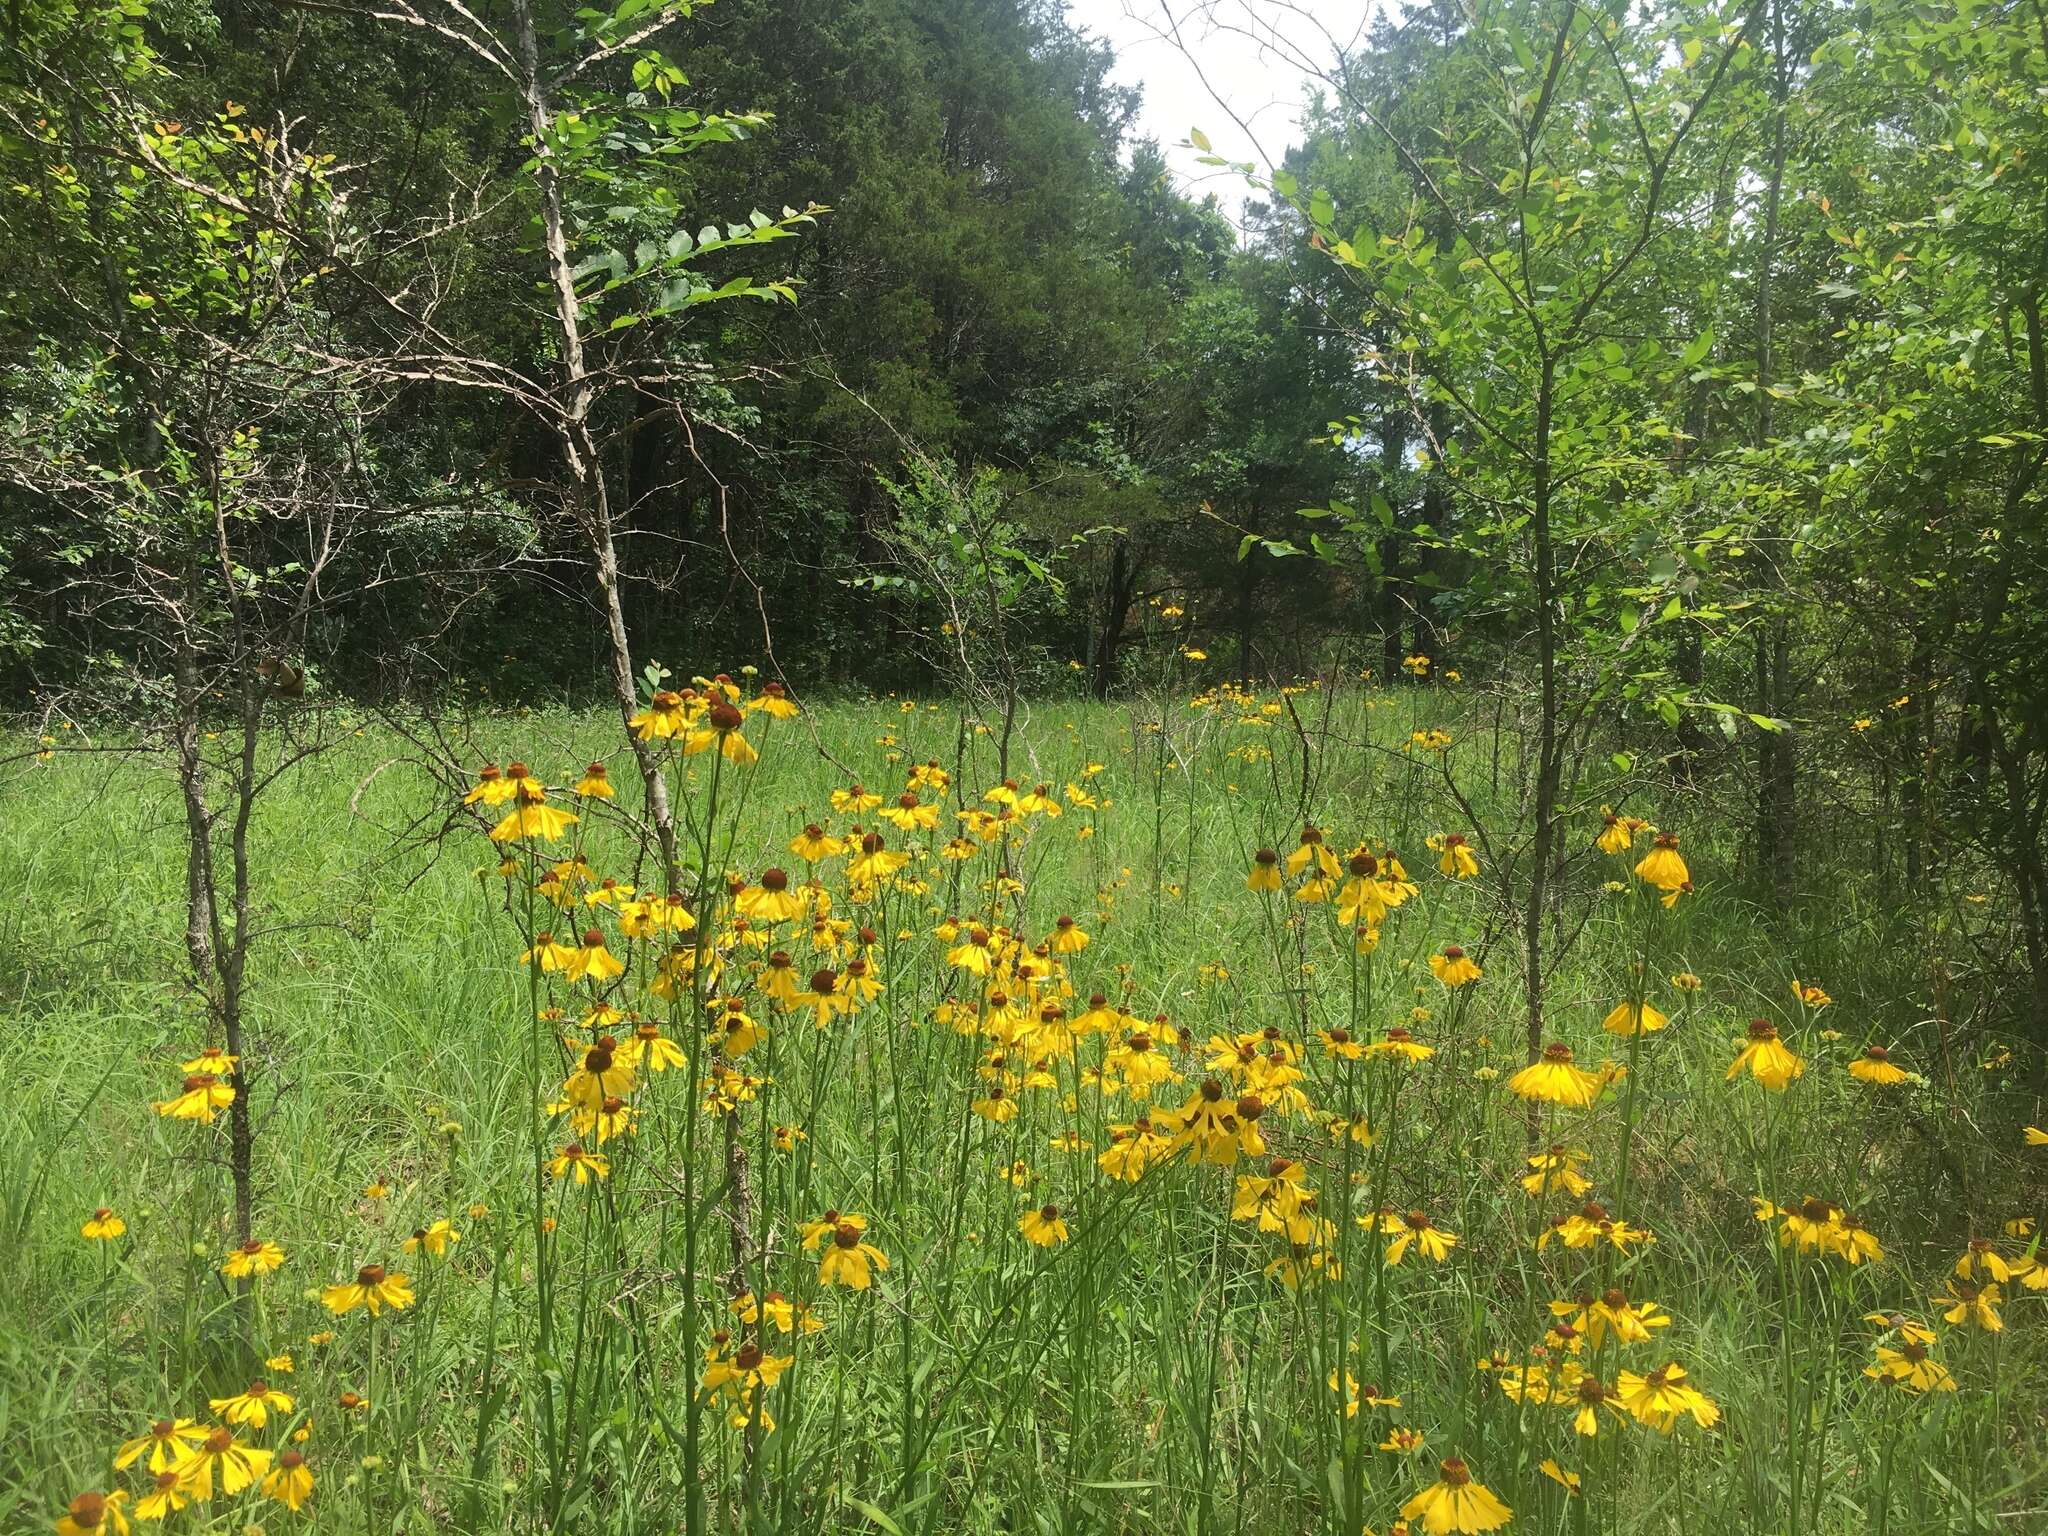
1242,51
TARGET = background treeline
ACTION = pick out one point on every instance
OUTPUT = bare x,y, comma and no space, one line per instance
1679,373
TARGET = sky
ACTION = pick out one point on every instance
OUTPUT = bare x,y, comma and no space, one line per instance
1244,55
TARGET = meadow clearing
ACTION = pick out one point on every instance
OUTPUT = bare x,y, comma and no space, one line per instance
1035,1158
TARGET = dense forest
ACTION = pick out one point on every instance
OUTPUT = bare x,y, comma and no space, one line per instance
1687,361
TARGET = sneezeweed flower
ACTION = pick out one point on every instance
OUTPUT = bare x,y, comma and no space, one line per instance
256,1257
1044,1226
1351,1392
1038,802
1627,1018
1339,1044
1611,1309
1686,981
1617,832
876,862
1589,1226
238,1465
93,1512
1265,871
995,1105
166,1496
1585,1395
1401,1043
592,960
849,1259
1663,866
169,1442
372,1287
1454,968
1402,1440
531,816
600,1076
772,901
1455,1503
290,1482
434,1239
721,728
1876,1066
1981,1260
1813,1225
1910,1329
1808,996
548,954
1553,1079
1312,850
774,702
202,1096
745,1375
1659,1399
212,1059
1139,1064
1557,1170
1454,855
1911,1366
649,1048
102,1226
814,844
1855,1242
786,1315
1570,1482
1971,1305
822,999
594,785
1767,1057
1132,1149
667,714
1413,1229
253,1405
2033,1136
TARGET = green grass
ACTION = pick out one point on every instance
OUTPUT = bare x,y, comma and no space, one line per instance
1145,1376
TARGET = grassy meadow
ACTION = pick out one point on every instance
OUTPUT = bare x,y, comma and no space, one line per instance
1321,1282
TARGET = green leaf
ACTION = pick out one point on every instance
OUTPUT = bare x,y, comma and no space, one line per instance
874,1514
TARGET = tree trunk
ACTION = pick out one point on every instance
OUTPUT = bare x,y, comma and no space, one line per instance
1123,586
578,391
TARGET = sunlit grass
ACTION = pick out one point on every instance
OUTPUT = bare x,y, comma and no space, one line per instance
1150,1372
